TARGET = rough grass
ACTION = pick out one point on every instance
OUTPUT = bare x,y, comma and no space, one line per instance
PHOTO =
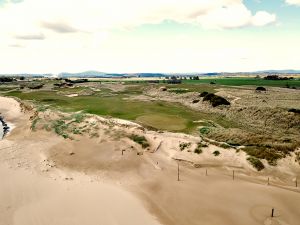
245,81
140,140
34,123
256,163
178,90
259,145
60,127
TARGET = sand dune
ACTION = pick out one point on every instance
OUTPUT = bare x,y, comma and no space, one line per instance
47,180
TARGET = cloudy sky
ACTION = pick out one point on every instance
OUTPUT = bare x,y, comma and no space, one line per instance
52,36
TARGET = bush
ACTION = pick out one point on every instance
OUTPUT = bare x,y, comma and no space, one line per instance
202,145
208,97
261,89
256,163
198,149
203,94
215,100
216,153
295,111
183,146
196,101
226,146
204,130
140,140
35,85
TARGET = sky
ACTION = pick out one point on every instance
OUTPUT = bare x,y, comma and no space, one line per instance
132,36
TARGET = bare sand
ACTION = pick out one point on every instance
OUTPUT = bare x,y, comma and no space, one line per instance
50,180
30,199
31,196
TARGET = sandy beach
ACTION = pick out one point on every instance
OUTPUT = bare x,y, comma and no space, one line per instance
50,180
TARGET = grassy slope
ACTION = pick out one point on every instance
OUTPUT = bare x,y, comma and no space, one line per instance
246,81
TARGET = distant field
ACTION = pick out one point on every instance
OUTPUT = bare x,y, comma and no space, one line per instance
246,81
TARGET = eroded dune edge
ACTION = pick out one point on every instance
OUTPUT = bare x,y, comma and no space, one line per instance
74,168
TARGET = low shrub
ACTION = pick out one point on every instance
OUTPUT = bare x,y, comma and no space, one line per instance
226,146
209,97
216,153
183,146
263,152
256,163
198,149
202,145
261,89
140,140
294,111
203,94
204,130
215,100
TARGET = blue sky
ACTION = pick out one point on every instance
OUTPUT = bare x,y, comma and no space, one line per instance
44,36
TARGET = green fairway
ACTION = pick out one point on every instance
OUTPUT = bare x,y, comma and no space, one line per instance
163,121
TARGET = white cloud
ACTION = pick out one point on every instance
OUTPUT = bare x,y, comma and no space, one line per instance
293,2
263,18
65,16
75,35
233,16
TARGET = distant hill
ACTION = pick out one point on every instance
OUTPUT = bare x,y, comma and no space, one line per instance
84,74
95,74
26,75
279,71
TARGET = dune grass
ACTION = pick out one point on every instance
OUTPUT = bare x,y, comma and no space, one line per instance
245,81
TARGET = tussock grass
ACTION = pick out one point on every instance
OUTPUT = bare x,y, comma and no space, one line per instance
140,140
256,163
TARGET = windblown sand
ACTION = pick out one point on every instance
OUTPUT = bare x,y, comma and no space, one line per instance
46,179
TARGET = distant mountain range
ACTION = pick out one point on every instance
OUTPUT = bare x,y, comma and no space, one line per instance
92,74
279,71
97,74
